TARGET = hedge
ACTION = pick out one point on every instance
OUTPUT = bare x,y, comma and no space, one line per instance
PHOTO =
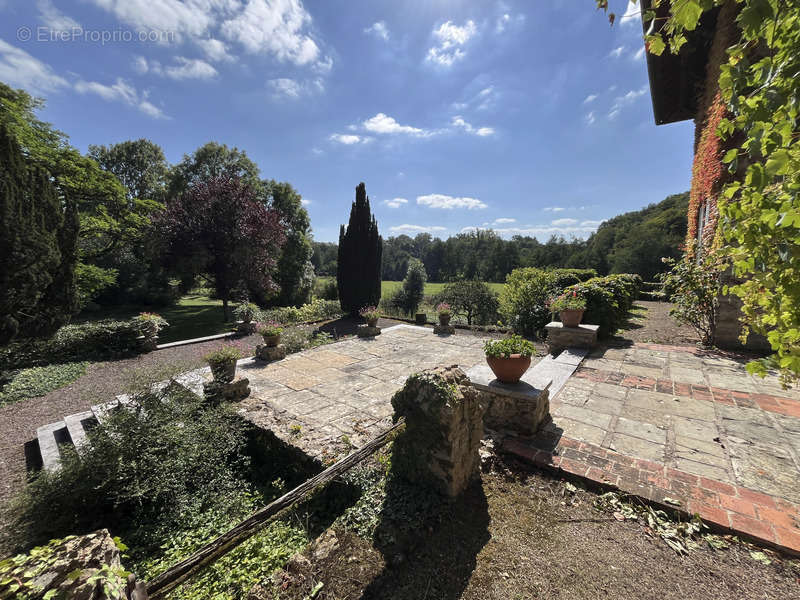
608,300
316,310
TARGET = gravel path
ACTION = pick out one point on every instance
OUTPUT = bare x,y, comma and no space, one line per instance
656,326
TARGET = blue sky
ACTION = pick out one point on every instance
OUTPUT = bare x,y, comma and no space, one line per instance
526,118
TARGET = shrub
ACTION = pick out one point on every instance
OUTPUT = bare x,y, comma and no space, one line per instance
608,300
523,301
269,329
579,274
38,381
326,289
246,311
316,310
471,299
506,347
414,285
694,288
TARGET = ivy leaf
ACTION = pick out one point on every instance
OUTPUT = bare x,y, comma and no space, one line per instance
778,163
730,155
687,13
654,44
753,15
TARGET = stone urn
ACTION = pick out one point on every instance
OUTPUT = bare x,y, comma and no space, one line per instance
509,369
571,317
421,318
224,370
372,322
272,340
444,320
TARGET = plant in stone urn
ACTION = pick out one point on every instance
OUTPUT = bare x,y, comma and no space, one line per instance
246,312
149,325
271,332
445,313
570,307
509,358
223,362
371,314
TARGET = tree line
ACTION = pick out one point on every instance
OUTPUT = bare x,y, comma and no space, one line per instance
633,242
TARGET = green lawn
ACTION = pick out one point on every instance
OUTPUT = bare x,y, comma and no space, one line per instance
387,287
195,315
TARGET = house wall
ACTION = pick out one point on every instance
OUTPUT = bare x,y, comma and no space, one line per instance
709,176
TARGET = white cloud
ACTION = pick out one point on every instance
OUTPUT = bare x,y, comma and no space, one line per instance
459,122
289,88
590,98
616,52
349,139
382,123
591,223
54,18
140,65
405,228
121,91
378,29
305,201
541,232
639,55
215,50
395,202
631,16
20,69
450,202
554,208
482,100
590,118
621,102
451,39
505,20
190,68
563,222
504,221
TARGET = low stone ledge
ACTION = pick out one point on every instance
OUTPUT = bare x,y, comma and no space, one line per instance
216,391
521,407
444,329
560,337
365,331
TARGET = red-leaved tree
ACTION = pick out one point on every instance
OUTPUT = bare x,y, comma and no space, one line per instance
218,229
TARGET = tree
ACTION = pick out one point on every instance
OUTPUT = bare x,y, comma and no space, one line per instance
140,166
324,257
38,237
210,161
414,285
295,272
358,272
220,230
473,299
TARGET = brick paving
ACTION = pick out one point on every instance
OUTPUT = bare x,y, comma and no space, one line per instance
675,422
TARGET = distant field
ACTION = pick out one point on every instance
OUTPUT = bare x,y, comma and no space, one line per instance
388,287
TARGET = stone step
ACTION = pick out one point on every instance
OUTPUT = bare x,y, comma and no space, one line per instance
101,411
76,426
50,436
193,381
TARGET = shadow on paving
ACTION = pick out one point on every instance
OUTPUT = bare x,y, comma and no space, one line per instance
434,560
349,326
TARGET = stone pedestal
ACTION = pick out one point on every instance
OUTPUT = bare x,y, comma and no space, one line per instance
238,389
421,319
440,329
521,407
365,331
270,353
560,337
444,425
243,328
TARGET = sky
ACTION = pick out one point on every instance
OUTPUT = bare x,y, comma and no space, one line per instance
526,118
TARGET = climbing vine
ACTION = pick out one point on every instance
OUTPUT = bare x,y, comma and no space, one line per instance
759,208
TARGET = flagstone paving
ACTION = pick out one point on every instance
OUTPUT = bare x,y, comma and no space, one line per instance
674,422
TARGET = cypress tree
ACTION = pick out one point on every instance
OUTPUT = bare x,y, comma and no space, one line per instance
358,272
38,237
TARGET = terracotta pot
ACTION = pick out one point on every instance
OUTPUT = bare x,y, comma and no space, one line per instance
272,340
372,322
444,320
509,370
571,318
224,372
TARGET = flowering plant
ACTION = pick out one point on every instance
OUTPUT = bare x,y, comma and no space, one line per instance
151,321
269,328
568,301
223,354
369,313
444,310
505,348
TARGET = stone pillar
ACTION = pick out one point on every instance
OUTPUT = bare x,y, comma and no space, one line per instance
559,337
444,427
270,353
216,392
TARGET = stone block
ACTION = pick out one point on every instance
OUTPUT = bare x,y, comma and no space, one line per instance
444,425
522,407
560,337
440,329
365,331
243,328
421,319
216,391
270,353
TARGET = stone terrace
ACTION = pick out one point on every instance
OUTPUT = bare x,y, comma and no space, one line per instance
341,393
674,422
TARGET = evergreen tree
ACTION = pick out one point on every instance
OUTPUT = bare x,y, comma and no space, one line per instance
358,271
38,247
414,285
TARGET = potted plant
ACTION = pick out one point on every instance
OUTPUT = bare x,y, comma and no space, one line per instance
445,313
246,312
271,332
570,307
509,358
150,323
371,314
223,362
